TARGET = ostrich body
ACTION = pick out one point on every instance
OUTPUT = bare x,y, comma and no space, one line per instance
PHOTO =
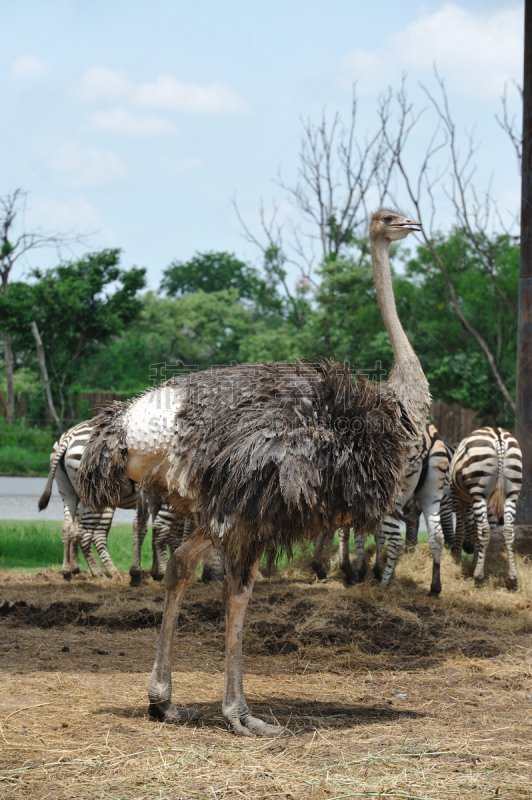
260,454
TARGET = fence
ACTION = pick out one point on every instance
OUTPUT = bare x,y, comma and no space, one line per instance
454,422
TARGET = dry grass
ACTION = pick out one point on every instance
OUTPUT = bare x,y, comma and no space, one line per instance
389,694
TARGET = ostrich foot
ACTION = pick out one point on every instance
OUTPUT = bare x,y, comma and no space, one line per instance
321,573
240,719
167,712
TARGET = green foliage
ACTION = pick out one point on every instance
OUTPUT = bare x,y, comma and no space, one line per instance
455,365
24,450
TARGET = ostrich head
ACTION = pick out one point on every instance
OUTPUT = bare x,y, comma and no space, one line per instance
391,225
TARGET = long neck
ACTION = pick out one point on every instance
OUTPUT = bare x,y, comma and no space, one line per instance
382,275
407,378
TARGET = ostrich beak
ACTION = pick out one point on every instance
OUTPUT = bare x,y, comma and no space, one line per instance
409,225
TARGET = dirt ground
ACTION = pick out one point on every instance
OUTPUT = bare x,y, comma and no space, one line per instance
388,693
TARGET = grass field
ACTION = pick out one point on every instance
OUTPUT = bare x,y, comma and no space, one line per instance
390,694
34,545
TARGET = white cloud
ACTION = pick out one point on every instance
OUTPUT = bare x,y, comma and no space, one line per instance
97,83
28,68
87,166
476,52
166,92
121,121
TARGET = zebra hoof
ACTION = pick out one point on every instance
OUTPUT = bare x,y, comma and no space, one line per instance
321,573
67,575
511,583
157,576
135,576
377,573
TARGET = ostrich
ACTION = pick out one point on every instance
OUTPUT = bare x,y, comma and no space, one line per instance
263,453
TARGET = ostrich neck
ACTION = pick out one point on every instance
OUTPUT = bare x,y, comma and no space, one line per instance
407,379
382,275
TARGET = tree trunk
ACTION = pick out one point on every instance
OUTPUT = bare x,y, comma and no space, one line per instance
44,373
523,419
10,394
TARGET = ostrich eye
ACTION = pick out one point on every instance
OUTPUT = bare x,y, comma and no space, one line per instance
387,220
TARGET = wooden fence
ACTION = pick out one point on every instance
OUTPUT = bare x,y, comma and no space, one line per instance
454,422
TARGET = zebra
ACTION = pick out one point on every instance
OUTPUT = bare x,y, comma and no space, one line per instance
423,480
412,509
80,525
170,528
486,479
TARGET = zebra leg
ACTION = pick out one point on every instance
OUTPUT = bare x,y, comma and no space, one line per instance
508,534
460,510
99,539
178,576
74,560
412,533
446,520
362,568
85,532
317,561
345,561
394,548
380,539
480,510
167,529
431,511
213,567
140,527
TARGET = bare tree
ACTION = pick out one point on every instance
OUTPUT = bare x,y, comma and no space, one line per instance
13,246
340,172
474,214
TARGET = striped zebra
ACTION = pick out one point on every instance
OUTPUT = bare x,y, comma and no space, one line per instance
170,529
423,480
84,527
412,509
486,479
80,525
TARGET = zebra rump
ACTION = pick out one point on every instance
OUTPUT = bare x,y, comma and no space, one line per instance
270,452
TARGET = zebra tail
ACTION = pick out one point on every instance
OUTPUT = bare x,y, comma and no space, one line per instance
44,499
102,469
498,496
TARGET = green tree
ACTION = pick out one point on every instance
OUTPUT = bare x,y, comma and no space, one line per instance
80,307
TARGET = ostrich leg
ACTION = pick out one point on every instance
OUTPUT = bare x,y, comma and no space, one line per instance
178,576
234,707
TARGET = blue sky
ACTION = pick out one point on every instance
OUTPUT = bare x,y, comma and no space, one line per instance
138,123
